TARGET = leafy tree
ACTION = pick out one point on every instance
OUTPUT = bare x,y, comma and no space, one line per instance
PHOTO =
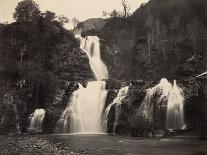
49,16
63,19
75,22
26,11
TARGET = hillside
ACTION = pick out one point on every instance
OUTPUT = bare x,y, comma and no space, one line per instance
91,24
161,39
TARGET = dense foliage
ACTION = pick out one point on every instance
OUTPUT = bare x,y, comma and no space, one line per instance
37,56
163,38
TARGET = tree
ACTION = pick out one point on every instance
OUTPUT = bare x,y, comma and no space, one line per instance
126,8
75,22
26,11
105,14
114,14
149,45
49,16
193,27
63,19
151,26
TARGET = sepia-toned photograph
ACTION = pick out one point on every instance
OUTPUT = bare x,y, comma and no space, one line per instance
103,77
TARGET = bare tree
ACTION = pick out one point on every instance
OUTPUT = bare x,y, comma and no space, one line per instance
163,34
114,13
149,44
126,8
176,26
193,27
105,14
150,23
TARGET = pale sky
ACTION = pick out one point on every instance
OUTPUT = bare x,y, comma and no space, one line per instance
82,9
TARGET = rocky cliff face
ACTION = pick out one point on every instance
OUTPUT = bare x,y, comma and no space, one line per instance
129,121
156,42
18,106
92,24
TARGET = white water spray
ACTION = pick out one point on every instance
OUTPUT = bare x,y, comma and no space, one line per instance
91,46
84,112
175,113
117,102
166,94
36,119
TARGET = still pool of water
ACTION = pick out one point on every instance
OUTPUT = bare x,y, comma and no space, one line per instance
121,145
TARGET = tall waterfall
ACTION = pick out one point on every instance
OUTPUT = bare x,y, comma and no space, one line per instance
84,113
160,95
91,46
36,119
117,102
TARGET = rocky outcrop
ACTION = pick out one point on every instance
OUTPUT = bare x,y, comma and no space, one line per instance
129,121
93,24
74,66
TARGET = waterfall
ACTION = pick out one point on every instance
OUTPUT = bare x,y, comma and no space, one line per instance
91,46
84,112
175,113
117,102
36,119
150,105
164,94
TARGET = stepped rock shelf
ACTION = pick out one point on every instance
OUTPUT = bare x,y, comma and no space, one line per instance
124,107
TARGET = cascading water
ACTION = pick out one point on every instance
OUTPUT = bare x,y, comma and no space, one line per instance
164,94
36,119
91,46
149,104
175,113
117,102
85,110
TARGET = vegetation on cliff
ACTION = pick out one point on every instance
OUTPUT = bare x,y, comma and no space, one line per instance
40,61
37,57
161,38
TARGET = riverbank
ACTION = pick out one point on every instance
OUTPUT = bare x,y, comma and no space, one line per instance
101,144
30,145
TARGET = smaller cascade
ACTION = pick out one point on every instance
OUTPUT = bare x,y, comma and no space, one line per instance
167,95
175,113
150,107
117,102
36,119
